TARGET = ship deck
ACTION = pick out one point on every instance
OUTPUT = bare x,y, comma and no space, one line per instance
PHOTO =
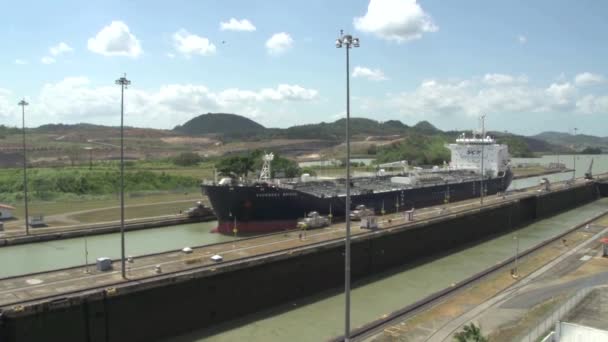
362,185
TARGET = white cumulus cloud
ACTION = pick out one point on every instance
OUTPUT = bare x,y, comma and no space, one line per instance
370,74
237,25
592,104
288,92
522,39
587,78
496,79
47,60
19,61
7,107
562,93
279,43
190,44
493,94
77,99
60,49
115,39
395,20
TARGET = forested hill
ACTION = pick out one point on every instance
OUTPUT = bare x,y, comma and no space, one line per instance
359,127
578,141
236,126
220,123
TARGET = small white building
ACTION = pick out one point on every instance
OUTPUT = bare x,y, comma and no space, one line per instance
6,211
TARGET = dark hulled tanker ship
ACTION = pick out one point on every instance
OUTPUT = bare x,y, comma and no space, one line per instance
272,205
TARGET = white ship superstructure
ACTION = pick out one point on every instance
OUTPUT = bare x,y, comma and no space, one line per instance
467,154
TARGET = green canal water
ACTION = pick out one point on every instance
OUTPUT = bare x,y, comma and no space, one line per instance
321,318
43,256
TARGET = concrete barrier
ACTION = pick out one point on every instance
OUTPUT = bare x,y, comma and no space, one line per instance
99,230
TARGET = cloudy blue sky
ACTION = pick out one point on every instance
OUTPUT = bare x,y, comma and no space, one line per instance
530,66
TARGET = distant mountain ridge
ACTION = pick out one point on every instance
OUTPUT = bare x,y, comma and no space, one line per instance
232,127
578,142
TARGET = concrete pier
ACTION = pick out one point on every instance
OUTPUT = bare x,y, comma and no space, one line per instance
68,232
193,292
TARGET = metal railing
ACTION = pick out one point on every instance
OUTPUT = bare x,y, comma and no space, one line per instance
545,326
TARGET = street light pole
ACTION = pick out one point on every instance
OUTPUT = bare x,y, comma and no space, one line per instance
574,158
483,133
23,103
123,82
516,238
348,42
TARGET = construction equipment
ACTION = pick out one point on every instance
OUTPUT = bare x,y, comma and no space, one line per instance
589,174
369,222
200,210
313,220
546,184
360,212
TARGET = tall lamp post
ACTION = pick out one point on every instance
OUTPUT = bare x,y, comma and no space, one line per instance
483,144
515,271
23,103
123,82
347,41
574,159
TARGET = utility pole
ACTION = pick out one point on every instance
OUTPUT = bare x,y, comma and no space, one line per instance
347,41
23,103
123,82
90,149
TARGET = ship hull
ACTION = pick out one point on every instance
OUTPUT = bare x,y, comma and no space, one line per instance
265,208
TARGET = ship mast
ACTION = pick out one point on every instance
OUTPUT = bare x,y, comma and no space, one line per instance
265,174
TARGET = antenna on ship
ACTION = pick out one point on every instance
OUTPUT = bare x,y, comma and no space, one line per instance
265,175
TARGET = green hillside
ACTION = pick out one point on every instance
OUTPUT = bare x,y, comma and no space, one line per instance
337,130
425,127
577,142
220,123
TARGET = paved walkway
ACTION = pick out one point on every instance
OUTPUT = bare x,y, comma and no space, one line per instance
445,333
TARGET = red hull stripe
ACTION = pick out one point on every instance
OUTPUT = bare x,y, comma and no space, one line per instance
256,226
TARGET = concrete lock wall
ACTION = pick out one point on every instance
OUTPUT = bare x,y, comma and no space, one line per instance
603,189
149,311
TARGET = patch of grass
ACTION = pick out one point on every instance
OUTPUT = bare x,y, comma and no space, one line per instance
62,207
70,183
131,212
